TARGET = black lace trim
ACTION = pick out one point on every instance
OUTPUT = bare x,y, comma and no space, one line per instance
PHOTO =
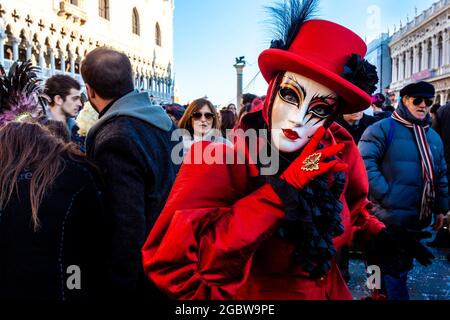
313,219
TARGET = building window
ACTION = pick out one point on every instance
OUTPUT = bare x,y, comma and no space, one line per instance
411,62
397,67
404,66
440,52
429,55
158,35
74,2
103,9
135,22
420,58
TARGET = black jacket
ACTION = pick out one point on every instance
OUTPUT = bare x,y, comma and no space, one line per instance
132,145
442,125
357,130
36,266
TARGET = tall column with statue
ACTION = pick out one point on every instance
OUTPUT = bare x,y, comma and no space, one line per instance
240,65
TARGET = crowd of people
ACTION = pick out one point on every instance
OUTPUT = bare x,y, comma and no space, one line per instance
93,205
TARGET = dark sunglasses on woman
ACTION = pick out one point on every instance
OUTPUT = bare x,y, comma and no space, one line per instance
198,115
418,101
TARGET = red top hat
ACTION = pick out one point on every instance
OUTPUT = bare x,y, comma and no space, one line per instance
320,52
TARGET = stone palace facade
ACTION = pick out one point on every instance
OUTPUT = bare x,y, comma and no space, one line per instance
420,50
57,34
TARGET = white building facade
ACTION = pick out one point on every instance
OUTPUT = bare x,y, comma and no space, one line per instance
57,34
421,51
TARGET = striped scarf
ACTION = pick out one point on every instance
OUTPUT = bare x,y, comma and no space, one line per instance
428,193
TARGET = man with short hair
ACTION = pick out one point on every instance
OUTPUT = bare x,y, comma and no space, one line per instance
64,95
406,166
132,145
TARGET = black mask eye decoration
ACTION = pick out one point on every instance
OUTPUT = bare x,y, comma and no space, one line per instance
290,94
321,108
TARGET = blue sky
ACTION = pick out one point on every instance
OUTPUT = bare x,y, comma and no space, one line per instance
209,34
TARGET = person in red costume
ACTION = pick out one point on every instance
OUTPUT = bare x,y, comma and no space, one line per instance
227,232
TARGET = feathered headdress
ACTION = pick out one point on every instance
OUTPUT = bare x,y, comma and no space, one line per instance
20,93
287,19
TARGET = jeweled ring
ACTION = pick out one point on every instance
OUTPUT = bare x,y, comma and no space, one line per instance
312,162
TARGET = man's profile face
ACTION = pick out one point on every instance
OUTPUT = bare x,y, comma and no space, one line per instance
71,106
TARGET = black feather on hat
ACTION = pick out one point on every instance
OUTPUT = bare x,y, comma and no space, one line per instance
288,17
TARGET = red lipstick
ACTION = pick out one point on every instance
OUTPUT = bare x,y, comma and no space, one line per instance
291,134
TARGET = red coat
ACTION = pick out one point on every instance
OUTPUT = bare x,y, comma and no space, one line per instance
215,238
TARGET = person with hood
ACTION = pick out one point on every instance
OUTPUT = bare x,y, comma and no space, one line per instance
246,233
407,172
131,143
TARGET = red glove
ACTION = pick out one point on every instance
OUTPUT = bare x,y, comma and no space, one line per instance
308,165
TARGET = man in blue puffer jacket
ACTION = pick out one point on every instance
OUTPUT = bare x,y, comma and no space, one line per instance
406,166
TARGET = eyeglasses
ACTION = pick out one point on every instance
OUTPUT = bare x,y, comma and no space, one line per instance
418,101
198,115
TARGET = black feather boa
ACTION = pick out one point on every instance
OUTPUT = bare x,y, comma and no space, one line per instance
313,219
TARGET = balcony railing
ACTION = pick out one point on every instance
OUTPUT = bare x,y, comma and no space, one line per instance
424,75
444,70
71,11
48,72
423,17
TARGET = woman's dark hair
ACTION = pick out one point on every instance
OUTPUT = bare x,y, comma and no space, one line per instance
248,98
57,128
31,147
228,120
175,110
434,109
186,123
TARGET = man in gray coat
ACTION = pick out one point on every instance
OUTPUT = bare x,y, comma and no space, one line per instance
406,166
131,143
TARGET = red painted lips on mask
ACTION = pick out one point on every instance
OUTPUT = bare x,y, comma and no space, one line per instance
291,134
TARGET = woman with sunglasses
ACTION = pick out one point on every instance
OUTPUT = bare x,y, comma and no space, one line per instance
405,161
201,123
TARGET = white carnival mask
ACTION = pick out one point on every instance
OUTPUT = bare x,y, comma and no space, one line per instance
300,108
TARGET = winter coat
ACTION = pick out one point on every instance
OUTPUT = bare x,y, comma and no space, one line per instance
219,240
381,115
442,126
395,173
356,130
46,265
131,143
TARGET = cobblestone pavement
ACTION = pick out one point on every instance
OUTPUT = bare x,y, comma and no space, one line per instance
424,283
